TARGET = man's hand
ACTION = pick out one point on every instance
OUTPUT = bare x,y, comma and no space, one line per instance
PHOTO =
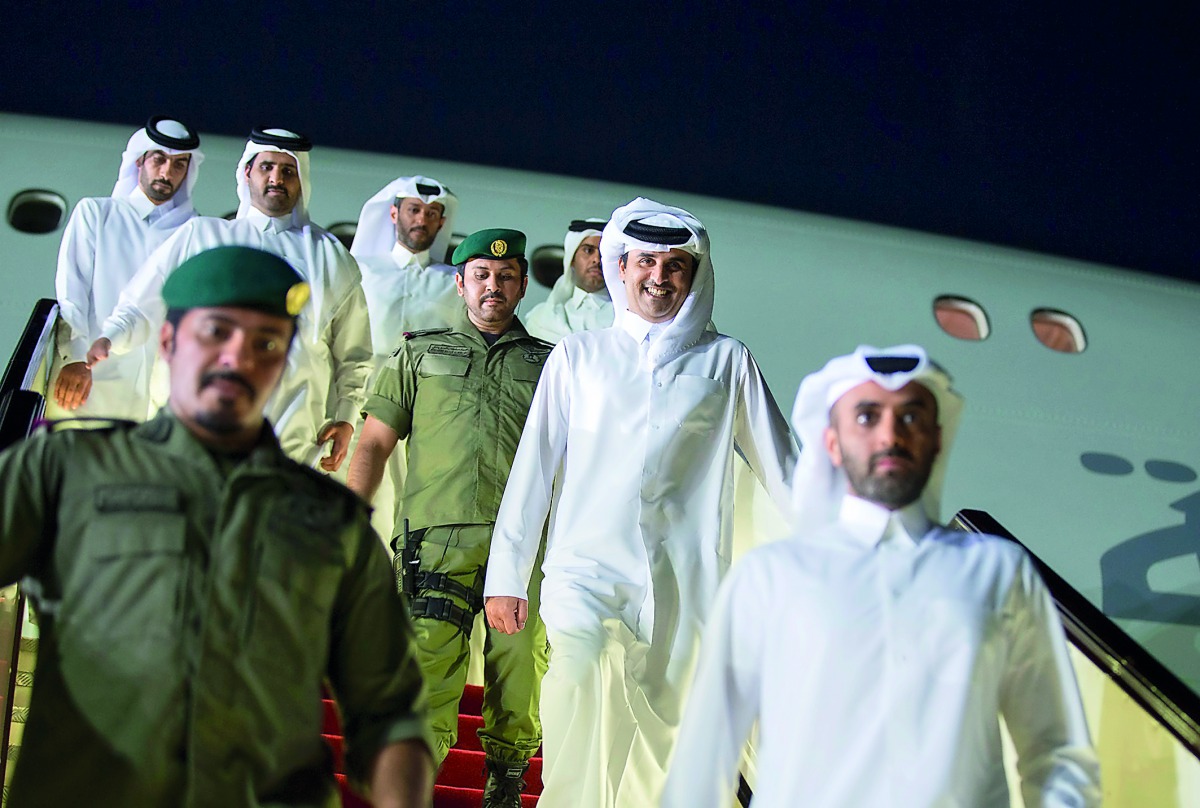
99,351
340,433
506,614
73,385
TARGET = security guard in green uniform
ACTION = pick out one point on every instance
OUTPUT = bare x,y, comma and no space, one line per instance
194,586
460,395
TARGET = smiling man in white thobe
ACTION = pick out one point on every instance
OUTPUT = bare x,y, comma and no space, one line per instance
637,428
876,648
104,243
323,386
579,300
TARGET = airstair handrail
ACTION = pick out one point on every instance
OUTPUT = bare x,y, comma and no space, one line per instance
1135,670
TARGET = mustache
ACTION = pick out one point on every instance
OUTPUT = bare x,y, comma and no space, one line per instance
492,296
226,375
896,451
280,188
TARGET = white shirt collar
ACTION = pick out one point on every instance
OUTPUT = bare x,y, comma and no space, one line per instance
147,210
594,300
869,524
268,224
405,257
640,329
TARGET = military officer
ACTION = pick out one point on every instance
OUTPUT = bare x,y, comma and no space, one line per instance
460,396
194,586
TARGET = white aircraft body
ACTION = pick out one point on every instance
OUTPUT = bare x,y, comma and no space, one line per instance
1084,456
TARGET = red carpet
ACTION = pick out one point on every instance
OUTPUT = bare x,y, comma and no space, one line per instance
460,781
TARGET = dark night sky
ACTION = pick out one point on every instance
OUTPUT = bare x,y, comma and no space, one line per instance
1067,131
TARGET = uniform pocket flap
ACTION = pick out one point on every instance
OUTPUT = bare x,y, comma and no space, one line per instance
436,364
122,498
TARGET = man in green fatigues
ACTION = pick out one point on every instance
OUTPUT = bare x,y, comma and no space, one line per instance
194,586
460,396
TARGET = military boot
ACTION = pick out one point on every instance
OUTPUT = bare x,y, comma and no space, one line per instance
505,782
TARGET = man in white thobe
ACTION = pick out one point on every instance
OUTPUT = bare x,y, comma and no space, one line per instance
638,428
579,300
401,240
876,648
105,241
317,401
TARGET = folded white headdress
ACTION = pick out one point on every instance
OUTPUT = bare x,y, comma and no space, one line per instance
170,137
818,486
376,234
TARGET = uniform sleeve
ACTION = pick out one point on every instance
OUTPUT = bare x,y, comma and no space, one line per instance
74,277
28,476
526,502
723,702
764,438
373,666
1040,701
350,348
395,392
140,309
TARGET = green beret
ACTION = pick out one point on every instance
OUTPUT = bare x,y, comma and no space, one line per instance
236,276
495,242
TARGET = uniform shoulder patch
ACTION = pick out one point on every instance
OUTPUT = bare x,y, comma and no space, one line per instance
424,332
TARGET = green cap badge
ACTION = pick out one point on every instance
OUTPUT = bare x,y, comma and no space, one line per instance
236,276
495,242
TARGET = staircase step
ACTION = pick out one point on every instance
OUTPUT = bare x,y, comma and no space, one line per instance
465,768
337,746
468,733
350,799
472,700
452,797
330,724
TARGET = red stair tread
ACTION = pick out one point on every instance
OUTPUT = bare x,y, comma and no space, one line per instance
451,797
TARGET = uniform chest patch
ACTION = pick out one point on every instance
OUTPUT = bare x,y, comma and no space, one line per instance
535,357
449,350
141,497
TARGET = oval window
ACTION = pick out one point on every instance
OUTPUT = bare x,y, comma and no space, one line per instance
1058,331
344,231
546,264
36,211
961,318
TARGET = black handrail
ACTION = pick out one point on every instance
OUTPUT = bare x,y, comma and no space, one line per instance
27,346
1147,681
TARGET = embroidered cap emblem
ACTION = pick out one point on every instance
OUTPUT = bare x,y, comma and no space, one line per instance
297,296
499,247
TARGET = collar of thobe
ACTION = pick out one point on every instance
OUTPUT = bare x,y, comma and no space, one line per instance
869,524
269,224
147,211
590,300
405,257
641,330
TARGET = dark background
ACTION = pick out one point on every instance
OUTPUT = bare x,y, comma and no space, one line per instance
1068,130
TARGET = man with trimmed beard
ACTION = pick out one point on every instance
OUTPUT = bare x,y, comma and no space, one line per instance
459,396
635,429
317,401
877,649
106,239
579,300
401,241
195,587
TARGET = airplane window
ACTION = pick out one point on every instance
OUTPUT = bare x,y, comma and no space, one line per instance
961,318
546,264
455,240
1058,331
36,211
344,232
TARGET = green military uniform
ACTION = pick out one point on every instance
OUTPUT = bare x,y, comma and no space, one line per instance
462,405
190,605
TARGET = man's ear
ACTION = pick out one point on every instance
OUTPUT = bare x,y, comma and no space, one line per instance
621,267
832,447
458,283
395,214
166,342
